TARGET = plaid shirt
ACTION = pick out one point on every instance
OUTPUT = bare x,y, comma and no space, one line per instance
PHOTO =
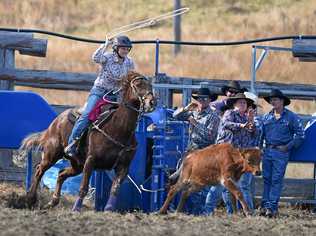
204,132
112,70
231,132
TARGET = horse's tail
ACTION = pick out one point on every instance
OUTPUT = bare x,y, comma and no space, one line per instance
33,141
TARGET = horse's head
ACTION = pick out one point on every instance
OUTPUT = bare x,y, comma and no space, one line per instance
137,89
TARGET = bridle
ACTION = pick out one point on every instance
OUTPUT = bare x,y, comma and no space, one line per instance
136,93
140,111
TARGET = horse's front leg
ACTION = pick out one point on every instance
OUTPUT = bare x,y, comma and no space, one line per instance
62,176
118,179
84,187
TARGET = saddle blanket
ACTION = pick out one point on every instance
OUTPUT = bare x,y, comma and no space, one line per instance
96,111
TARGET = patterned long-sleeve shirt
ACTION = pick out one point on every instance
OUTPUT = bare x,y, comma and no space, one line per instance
204,132
230,130
112,70
287,130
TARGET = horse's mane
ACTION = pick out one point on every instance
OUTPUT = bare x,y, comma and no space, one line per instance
127,79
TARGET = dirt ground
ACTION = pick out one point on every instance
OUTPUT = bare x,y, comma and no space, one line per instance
62,221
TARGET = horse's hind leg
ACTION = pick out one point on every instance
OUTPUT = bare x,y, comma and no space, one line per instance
84,186
45,164
62,176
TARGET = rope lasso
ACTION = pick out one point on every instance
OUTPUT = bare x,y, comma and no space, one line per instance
124,29
145,23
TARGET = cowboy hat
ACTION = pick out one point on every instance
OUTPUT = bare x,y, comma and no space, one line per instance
231,101
233,85
205,93
254,98
276,93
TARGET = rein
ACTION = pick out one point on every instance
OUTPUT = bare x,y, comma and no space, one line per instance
140,111
125,147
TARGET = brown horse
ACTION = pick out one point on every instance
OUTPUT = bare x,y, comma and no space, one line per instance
111,145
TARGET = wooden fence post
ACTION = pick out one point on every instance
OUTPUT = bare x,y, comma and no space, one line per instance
7,60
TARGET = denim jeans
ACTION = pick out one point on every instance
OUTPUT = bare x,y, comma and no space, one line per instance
274,164
245,185
228,201
215,192
212,198
83,122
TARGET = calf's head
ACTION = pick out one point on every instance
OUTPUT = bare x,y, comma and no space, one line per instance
252,159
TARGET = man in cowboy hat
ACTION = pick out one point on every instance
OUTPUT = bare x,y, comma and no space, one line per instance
229,90
203,125
282,131
203,119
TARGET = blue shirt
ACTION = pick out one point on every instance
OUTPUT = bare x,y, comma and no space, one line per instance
287,130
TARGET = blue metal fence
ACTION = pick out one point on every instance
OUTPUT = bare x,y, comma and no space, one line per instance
22,113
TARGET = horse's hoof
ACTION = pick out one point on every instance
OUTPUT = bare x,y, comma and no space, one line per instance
77,206
30,201
110,205
109,208
51,204
76,209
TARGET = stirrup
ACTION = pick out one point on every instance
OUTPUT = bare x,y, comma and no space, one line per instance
70,150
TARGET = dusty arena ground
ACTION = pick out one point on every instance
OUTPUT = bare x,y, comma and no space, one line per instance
61,221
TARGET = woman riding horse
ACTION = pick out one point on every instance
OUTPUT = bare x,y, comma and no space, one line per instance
113,66
110,145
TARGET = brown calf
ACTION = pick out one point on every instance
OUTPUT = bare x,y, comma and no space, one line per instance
215,164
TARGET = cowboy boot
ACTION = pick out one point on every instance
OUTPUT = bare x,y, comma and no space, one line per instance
71,150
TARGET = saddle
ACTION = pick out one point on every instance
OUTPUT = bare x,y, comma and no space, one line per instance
100,114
